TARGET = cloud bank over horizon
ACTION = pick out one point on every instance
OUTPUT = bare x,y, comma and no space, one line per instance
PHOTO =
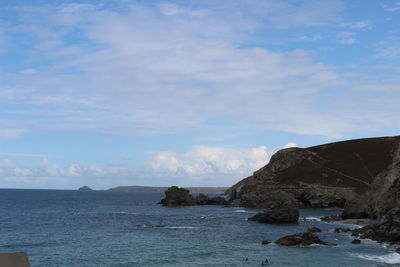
216,73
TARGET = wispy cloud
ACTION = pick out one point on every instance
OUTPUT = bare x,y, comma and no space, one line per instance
11,133
309,38
347,38
395,7
27,155
354,24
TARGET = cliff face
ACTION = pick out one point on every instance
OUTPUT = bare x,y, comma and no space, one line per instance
349,174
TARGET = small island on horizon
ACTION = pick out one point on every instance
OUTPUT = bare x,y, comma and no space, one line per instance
85,188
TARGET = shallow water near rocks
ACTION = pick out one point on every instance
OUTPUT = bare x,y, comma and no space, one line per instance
105,228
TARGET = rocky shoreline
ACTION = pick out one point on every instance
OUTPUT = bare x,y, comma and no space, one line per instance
360,176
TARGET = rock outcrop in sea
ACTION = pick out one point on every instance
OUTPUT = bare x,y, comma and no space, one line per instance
362,176
301,239
277,215
85,188
176,196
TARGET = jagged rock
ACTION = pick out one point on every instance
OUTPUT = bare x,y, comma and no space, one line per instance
300,239
175,196
356,241
329,175
85,188
331,218
277,215
313,230
386,230
265,242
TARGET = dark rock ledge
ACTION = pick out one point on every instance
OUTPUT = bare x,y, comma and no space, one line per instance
301,239
277,215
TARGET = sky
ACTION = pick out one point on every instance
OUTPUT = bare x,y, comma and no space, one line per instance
188,93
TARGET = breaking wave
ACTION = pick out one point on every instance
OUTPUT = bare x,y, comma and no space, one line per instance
391,258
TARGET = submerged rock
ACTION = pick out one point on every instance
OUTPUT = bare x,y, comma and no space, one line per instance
277,215
300,239
265,242
313,230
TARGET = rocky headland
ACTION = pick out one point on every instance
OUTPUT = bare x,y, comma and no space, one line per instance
360,176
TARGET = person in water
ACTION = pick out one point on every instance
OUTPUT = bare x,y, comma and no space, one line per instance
264,262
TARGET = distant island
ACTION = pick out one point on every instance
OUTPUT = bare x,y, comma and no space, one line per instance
85,188
162,189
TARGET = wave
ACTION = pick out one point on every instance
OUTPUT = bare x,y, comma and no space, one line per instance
241,211
311,219
391,258
128,213
165,226
180,227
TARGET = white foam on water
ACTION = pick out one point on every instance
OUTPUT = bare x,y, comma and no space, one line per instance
179,227
241,211
312,219
128,213
391,258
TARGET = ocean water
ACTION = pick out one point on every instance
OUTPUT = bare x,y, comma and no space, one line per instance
105,228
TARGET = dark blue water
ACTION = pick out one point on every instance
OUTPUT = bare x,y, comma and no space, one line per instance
104,228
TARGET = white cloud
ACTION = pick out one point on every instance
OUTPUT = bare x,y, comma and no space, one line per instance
11,133
388,51
173,10
354,24
26,155
395,7
309,38
347,38
290,144
224,164
154,70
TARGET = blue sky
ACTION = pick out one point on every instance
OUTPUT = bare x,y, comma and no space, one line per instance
199,93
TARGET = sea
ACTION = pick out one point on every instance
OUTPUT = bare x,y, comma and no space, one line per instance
109,228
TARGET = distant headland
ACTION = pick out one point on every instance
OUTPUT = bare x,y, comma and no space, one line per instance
162,189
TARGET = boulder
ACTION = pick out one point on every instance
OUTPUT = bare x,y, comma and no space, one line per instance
300,239
331,218
277,215
356,241
313,230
